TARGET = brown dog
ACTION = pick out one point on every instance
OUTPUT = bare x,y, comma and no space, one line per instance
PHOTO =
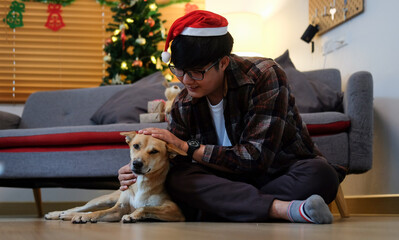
146,199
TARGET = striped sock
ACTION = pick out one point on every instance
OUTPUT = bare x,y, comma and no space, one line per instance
312,210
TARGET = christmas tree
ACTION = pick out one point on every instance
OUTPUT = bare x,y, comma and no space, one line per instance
132,50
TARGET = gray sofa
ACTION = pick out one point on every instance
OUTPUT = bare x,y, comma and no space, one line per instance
58,143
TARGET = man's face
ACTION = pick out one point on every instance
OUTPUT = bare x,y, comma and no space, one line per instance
212,83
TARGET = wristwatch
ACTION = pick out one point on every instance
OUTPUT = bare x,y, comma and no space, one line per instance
192,146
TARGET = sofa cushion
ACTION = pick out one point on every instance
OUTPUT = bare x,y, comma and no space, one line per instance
311,95
326,123
125,106
76,138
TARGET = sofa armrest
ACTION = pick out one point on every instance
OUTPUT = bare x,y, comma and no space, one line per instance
358,106
9,120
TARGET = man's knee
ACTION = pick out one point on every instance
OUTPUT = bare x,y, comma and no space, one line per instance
323,179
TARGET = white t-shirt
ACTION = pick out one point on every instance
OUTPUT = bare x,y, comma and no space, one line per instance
218,120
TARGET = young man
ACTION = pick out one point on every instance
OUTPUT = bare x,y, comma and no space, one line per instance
250,156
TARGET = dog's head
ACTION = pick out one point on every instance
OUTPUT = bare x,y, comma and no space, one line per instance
149,154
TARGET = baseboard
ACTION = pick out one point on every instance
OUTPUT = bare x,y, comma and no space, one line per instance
29,208
384,204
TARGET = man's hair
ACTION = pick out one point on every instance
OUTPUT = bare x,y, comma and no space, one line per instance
190,52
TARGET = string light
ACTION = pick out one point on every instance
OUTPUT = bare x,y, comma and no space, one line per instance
124,66
117,31
114,39
129,20
153,7
153,60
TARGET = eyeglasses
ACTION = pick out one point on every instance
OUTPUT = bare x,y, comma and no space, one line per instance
196,75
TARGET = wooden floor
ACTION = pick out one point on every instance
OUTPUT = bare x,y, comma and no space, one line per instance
355,227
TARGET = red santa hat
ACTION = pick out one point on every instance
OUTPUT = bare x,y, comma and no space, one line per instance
197,23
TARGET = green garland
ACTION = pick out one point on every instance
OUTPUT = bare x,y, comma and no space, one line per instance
172,2
64,3
110,3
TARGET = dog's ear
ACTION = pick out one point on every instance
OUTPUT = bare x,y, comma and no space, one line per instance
128,136
174,151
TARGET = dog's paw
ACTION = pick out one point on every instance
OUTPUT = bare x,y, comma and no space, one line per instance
53,215
128,219
67,216
81,219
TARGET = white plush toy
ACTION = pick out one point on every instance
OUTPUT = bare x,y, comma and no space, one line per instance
170,93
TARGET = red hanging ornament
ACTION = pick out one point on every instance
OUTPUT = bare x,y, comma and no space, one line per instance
150,22
137,63
54,20
123,37
108,41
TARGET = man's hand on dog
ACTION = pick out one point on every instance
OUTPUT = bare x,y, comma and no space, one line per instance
126,177
166,136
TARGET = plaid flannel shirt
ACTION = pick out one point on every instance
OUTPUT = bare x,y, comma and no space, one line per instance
262,122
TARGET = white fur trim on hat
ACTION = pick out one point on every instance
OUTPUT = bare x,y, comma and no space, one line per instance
165,57
204,32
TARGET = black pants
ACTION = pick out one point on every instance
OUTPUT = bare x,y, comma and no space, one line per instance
204,194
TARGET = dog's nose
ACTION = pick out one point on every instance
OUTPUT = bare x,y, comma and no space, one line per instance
137,164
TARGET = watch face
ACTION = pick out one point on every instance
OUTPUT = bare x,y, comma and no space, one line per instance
193,143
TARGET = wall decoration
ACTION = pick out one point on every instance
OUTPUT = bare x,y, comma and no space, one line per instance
14,17
54,20
328,14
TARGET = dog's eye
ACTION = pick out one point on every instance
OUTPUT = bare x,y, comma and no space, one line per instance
154,152
136,146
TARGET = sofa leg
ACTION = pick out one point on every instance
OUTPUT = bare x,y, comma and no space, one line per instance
38,200
341,203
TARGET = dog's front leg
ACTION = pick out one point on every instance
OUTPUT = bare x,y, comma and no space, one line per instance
113,214
168,211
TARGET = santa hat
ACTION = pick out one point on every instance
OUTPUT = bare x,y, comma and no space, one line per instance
197,23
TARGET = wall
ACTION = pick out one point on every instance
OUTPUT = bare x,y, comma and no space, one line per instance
372,39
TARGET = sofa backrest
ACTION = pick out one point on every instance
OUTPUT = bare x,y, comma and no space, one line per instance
330,77
65,107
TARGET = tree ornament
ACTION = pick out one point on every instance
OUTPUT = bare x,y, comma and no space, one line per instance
54,20
108,41
14,17
107,58
137,63
150,22
150,34
117,80
130,50
163,32
133,2
123,37
141,41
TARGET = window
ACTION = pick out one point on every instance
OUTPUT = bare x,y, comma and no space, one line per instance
35,58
